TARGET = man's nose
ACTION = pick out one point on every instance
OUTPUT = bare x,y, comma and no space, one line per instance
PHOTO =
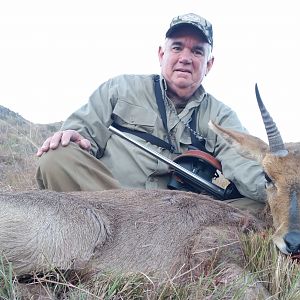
185,56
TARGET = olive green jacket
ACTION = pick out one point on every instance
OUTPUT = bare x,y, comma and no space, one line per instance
129,100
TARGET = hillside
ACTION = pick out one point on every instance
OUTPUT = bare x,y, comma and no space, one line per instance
19,139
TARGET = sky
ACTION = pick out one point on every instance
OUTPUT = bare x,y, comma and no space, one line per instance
54,54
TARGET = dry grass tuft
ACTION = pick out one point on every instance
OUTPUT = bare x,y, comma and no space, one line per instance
280,274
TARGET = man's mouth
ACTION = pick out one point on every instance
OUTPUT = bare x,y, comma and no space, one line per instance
183,70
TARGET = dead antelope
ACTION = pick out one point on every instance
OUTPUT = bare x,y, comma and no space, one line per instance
281,165
166,233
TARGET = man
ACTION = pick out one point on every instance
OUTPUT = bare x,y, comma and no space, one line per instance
88,157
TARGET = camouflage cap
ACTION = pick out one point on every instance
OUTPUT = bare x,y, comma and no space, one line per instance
192,19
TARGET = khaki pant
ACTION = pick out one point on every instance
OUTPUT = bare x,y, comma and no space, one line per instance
73,169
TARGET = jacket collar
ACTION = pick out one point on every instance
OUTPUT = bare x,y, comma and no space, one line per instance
195,99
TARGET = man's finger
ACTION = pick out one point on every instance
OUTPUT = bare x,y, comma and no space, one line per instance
44,148
55,140
67,136
46,144
39,152
85,144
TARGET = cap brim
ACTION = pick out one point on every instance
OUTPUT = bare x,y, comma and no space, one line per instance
174,28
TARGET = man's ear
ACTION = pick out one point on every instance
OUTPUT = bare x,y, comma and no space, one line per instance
209,64
160,54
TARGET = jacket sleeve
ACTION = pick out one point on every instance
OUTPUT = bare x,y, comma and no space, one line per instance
246,174
93,119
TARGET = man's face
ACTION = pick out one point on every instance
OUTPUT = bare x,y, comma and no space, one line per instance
185,61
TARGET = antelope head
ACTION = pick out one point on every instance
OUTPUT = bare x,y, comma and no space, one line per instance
281,165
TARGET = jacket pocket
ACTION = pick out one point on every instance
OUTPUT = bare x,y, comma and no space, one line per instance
134,116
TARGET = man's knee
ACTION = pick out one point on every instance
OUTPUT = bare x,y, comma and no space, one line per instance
71,168
55,165
54,160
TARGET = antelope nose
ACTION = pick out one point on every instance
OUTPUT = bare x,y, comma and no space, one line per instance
292,241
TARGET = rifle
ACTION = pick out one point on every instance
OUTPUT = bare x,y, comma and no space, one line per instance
186,178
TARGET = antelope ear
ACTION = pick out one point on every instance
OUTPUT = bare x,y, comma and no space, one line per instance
245,144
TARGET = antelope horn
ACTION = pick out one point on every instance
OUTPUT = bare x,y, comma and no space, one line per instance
275,141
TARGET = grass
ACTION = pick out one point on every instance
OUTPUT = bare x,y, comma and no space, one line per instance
278,274
7,281
127,286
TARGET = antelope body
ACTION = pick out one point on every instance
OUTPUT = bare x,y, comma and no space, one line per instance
163,232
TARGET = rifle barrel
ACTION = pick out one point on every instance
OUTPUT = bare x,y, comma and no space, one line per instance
192,177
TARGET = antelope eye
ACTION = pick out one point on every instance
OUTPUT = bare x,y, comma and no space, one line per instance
267,177
269,181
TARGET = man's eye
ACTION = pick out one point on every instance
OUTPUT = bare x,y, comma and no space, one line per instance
176,48
198,52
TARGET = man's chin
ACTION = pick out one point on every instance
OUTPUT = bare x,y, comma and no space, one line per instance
183,90
183,82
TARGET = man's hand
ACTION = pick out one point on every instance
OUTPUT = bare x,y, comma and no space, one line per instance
64,138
